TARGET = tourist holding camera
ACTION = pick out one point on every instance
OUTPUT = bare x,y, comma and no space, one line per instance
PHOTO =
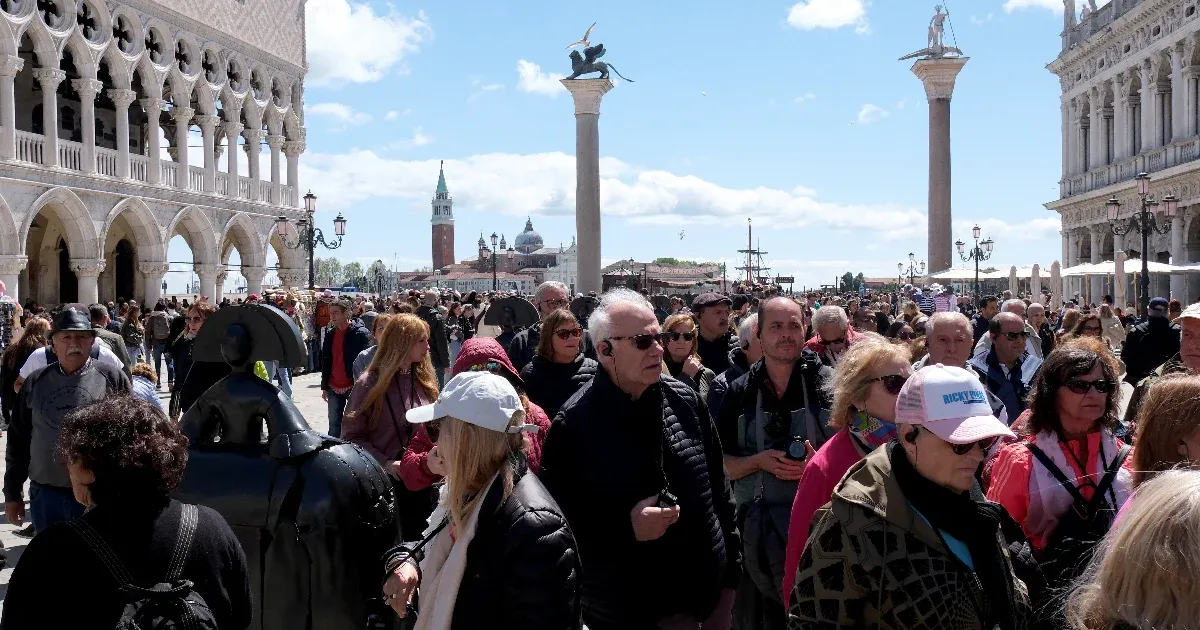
772,420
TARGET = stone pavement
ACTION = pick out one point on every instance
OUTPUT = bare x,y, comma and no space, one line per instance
306,393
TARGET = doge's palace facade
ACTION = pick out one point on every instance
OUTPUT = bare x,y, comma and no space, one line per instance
97,101
1130,77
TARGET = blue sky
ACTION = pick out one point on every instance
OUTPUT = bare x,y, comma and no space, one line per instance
796,114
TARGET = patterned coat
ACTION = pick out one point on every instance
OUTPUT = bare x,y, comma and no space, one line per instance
872,562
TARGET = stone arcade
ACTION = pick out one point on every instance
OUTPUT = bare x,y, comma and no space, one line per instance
89,89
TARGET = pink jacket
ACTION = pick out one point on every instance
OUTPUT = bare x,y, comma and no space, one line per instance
821,475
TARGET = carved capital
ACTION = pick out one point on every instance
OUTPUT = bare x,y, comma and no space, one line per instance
153,105
233,129
253,140
221,277
122,98
87,88
87,267
49,77
253,274
208,270
155,270
587,93
275,141
293,148
12,265
183,115
10,65
938,75
289,278
207,122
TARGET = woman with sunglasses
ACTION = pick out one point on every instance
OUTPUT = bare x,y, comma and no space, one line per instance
903,542
559,368
864,388
681,359
1065,478
192,378
423,464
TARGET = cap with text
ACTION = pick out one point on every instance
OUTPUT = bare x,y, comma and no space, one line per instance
479,398
950,402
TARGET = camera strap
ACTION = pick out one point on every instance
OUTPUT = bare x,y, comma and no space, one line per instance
761,441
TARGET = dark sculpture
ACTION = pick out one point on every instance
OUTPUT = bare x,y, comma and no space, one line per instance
582,307
314,514
511,312
587,64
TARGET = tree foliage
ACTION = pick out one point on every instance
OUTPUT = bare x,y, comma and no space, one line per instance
352,273
328,271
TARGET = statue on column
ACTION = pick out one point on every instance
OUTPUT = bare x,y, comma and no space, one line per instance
587,63
936,28
314,514
936,47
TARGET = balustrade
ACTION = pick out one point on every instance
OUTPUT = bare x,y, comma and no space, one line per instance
30,147
196,178
106,162
169,171
70,155
222,183
266,192
139,165
244,188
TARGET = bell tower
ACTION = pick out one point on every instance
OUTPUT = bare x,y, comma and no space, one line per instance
443,223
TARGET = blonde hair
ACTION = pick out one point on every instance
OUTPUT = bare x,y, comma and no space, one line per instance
396,342
1143,571
849,383
473,454
1166,415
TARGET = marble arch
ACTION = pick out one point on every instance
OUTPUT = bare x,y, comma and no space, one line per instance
69,209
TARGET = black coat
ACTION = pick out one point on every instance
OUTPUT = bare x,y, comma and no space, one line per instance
551,384
357,339
439,339
1149,345
522,569
523,346
605,453
716,390
715,354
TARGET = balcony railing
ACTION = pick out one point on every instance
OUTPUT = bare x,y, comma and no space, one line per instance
1174,154
31,148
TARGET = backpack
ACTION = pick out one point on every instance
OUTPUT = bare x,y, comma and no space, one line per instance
160,327
132,335
1074,541
169,605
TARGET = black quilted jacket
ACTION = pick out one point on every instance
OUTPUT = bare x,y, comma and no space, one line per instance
605,453
550,384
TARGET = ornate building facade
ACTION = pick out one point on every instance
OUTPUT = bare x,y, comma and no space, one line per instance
1130,103
97,102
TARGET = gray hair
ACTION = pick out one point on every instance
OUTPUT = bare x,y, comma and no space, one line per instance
830,315
1012,302
600,322
947,319
746,328
546,286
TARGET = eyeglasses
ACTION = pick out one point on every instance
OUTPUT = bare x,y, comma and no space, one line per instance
556,303
892,382
834,342
1080,386
567,333
196,319
906,336
686,336
644,341
490,366
1013,336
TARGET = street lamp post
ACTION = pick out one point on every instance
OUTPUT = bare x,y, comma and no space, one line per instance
914,267
981,251
899,275
1145,223
495,282
308,235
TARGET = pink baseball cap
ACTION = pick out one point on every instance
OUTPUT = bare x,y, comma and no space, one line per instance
951,403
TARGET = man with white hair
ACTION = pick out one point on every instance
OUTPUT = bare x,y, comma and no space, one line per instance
1032,341
634,462
439,341
549,297
948,338
834,335
748,352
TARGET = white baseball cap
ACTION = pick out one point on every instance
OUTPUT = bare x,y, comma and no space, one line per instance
951,403
481,398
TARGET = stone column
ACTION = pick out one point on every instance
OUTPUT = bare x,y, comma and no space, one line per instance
208,273
1096,131
219,287
183,120
10,271
208,126
1178,256
292,149
253,148
1068,284
87,270
233,130
1097,282
10,65
1148,107
276,143
938,76
1190,74
1181,55
122,99
587,94
153,108
49,78
254,278
152,274
88,89
1066,139
1120,117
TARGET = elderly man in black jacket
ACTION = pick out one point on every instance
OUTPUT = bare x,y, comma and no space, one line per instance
634,461
716,340
439,339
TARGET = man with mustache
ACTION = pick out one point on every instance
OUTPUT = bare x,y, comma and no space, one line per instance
771,421
47,395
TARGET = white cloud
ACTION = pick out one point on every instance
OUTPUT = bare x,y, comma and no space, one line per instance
804,97
1050,5
343,115
394,114
871,113
810,14
983,20
533,80
419,138
479,88
901,103
349,43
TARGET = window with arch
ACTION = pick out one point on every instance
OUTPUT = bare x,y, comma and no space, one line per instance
156,47
123,34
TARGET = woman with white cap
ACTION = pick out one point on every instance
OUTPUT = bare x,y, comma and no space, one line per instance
904,542
498,552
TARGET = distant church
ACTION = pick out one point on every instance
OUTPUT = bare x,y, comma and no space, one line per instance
443,223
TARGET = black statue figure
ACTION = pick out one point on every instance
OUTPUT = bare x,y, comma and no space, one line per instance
587,64
314,514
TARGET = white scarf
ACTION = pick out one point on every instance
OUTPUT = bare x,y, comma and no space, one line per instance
444,564
1049,500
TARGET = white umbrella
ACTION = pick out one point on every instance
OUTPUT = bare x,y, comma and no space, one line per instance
1056,286
1012,281
1035,282
1119,279
956,273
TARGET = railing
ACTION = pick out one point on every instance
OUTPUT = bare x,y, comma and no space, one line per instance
106,162
1156,160
1124,170
196,178
244,188
1129,168
70,155
169,171
139,165
266,192
288,193
30,147
222,183
1189,150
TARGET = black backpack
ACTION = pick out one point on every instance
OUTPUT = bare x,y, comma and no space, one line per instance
168,605
1074,541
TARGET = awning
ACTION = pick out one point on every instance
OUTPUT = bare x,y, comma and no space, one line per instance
1132,266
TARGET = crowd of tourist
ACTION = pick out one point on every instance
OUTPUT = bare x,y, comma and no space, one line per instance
907,459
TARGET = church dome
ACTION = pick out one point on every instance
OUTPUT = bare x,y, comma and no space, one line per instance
528,241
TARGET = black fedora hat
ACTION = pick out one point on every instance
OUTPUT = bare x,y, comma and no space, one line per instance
71,320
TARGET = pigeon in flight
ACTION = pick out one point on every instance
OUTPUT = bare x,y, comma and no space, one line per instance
681,234
585,42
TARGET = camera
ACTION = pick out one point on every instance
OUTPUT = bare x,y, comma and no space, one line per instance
667,499
794,448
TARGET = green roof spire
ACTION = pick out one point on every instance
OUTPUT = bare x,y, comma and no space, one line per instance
441,188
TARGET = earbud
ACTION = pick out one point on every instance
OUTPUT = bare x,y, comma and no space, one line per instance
607,351
911,436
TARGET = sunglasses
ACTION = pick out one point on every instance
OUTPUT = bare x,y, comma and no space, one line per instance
644,341
567,333
490,366
195,319
556,303
892,382
984,445
834,342
1080,386
1013,336
686,336
906,336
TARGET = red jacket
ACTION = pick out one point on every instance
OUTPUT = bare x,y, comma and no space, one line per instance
815,344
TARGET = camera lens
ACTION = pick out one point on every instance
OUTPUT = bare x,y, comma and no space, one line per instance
797,450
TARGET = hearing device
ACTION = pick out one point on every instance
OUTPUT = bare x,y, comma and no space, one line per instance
911,436
607,351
